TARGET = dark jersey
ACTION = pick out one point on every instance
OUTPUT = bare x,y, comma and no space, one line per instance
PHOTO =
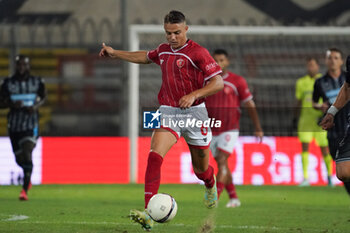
328,88
27,91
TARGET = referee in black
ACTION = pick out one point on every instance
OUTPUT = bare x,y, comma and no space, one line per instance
327,88
23,94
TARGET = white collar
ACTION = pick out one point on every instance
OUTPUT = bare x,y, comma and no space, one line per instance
176,50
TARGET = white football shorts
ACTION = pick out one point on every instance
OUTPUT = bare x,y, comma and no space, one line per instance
225,142
187,123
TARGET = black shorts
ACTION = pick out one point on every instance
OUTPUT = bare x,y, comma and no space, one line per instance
343,149
333,145
17,138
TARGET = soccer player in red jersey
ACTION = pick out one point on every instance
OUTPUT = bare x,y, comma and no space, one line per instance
189,74
225,106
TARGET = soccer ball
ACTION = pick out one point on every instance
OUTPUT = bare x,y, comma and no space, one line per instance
162,207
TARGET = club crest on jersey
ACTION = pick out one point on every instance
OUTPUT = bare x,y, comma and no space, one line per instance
180,63
227,90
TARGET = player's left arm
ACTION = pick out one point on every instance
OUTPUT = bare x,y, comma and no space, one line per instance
211,72
342,98
253,114
214,85
41,97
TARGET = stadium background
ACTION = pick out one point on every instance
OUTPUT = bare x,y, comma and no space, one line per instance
86,113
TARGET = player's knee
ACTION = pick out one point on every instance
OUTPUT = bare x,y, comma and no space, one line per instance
19,160
343,173
343,176
221,158
28,147
221,162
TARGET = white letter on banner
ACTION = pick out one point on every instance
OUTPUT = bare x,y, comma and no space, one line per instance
281,170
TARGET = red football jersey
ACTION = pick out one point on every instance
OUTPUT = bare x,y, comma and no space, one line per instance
184,70
225,105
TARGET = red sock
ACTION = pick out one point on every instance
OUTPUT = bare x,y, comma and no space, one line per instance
207,177
231,189
220,186
152,177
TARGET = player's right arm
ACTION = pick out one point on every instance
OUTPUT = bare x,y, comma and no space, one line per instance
316,95
139,57
6,98
342,98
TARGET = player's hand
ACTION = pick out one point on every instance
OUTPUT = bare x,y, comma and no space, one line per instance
259,135
106,51
187,101
30,109
327,122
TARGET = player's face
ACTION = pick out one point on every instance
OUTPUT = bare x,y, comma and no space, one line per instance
222,61
22,67
312,68
176,34
334,61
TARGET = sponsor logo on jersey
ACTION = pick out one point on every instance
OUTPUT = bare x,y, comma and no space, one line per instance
211,66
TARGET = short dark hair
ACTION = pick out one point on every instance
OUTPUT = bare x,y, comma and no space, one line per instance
308,59
220,52
335,50
174,17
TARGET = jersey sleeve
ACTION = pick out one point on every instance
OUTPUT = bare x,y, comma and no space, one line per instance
318,93
243,91
153,56
207,64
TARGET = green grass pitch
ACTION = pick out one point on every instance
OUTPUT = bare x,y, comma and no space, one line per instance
104,208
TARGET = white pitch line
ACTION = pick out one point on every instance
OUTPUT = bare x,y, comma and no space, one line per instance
15,218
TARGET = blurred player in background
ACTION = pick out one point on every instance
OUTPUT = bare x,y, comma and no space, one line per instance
327,88
186,66
225,106
23,94
308,128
